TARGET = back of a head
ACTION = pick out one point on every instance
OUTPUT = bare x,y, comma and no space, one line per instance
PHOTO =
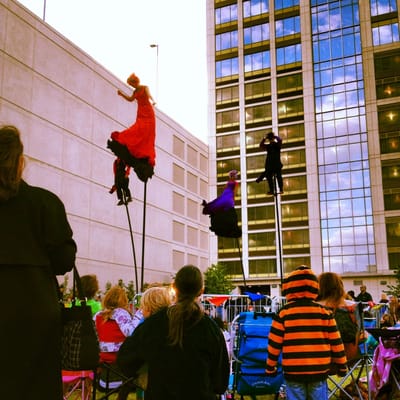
115,297
188,282
270,135
302,283
11,150
154,299
186,312
233,174
331,288
90,286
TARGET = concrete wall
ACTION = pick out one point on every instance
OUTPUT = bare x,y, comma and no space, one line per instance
65,105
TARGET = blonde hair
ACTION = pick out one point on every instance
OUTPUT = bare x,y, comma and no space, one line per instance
116,297
154,299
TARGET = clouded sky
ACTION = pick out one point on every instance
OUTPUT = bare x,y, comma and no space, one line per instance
118,35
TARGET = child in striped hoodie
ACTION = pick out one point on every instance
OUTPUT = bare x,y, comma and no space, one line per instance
305,333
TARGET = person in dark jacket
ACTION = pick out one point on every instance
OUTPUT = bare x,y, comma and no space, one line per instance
273,164
306,334
184,349
35,245
364,296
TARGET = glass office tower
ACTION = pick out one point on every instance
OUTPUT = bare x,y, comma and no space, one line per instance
325,76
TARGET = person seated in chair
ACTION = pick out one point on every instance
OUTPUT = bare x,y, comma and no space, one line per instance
332,295
113,324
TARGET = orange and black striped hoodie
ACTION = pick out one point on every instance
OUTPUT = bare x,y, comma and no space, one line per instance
304,332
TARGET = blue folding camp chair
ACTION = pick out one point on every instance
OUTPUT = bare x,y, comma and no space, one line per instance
250,342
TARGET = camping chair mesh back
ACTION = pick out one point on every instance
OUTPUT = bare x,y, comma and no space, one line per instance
77,385
109,380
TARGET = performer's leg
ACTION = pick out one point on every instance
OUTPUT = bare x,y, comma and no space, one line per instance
270,177
120,197
261,177
127,191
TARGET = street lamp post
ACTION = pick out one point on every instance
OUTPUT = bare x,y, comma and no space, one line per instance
156,46
44,10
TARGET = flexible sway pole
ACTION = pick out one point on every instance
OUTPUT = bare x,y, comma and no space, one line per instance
143,235
132,241
278,227
241,262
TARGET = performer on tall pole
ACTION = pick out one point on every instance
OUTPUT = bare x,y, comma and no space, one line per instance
136,145
224,220
273,164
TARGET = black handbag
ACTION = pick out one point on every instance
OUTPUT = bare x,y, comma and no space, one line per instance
79,341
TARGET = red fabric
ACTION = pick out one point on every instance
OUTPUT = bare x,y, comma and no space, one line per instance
140,137
218,301
115,166
108,331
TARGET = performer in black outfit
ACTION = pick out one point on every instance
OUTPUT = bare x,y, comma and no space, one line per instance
273,164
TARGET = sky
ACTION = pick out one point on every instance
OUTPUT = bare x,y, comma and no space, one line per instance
118,35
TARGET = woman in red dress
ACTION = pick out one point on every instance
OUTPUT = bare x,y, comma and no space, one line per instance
136,145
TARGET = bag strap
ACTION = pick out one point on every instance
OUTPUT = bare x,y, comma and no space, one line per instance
77,287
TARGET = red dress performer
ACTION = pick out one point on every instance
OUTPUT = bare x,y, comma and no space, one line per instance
135,145
224,221
121,181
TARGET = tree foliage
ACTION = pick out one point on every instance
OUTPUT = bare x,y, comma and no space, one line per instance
395,289
216,280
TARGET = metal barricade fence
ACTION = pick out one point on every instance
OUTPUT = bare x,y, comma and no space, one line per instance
227,307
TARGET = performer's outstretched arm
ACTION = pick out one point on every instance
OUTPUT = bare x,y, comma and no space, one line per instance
125,96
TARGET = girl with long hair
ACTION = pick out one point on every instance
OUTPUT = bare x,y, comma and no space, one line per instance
184,348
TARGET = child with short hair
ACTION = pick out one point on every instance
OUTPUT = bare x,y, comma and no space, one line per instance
153,300
306,334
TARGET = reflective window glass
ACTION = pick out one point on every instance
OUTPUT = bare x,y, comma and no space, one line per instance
257,61
291,133
226,68
290,83
287,26
290,108
226,40
259,89
258,113
345,196
254,7
379,7
228,142
288,55
256,33
384,34
280,4
227,94
227,118
226,14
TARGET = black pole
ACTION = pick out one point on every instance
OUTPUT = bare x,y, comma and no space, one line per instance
132,241
241,262
279,230
143,234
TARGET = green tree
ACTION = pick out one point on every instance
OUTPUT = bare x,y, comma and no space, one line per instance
216,280
395,289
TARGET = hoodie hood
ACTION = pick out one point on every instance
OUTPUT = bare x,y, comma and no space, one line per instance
302,283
